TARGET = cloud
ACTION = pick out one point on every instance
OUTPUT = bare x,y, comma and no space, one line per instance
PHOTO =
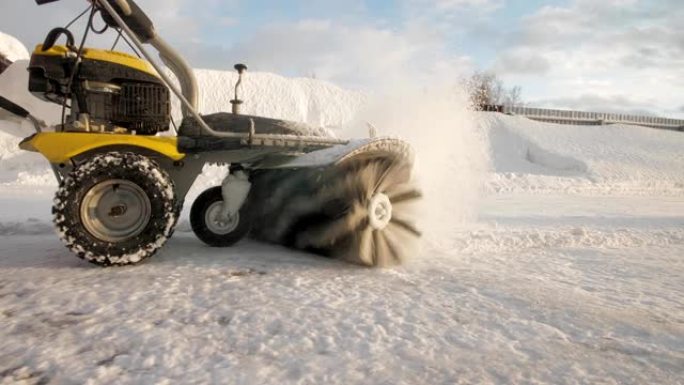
354,55
16,15
630,48
522,61
354,49
457,5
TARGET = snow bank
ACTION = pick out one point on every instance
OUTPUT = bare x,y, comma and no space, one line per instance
533,156
315,102
12,49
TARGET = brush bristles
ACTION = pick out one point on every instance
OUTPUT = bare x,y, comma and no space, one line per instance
326,210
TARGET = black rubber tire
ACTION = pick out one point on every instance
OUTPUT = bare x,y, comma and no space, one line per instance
135,168
202,231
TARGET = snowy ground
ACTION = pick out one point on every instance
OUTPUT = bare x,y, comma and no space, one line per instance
571,272
534,293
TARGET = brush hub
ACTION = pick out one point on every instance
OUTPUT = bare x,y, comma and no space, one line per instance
379,211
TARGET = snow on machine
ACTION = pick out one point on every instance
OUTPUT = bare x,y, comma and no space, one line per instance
122,185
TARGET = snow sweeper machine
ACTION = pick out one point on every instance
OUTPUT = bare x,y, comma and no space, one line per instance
124,167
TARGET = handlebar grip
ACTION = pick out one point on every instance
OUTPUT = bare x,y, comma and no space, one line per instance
124,7
41,2
136,19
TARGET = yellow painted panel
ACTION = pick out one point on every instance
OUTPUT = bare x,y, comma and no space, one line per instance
102,55
60,147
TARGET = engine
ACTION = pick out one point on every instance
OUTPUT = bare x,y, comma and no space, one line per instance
107,91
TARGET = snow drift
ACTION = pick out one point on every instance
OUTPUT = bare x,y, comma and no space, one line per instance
12,49
532,156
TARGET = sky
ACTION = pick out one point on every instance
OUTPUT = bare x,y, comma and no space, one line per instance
623,56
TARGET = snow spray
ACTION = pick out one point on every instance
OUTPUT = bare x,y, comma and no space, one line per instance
451,151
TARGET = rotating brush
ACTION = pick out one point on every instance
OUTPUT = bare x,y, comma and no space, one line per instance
361,211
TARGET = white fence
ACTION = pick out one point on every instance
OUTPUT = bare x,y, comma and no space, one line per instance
592,118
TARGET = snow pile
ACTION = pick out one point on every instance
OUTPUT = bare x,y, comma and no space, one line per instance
12,49
533,156
311,101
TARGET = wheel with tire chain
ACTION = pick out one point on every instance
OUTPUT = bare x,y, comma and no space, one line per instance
116,208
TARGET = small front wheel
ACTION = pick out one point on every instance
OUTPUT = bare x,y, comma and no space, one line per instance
211,226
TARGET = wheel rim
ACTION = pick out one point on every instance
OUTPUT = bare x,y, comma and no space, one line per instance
217,223
115,210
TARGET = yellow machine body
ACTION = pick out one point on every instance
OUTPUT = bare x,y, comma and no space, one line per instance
115,57
60,147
